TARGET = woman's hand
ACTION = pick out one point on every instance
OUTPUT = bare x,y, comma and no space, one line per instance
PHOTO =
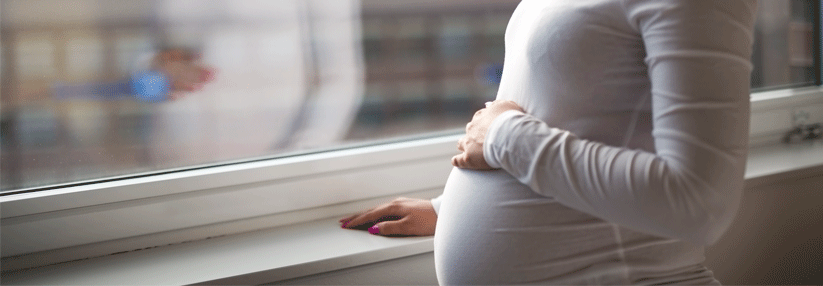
472,144
403,216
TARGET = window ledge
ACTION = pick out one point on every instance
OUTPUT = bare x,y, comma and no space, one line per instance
775,163
320,246
251,258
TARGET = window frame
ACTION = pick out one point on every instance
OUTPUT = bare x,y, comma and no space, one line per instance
238,192
421,164
155,206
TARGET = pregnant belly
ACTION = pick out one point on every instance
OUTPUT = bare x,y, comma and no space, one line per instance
493,229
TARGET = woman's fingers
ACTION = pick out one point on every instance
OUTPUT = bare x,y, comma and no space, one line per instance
380,213
470,161
346,220
395,227
403,216
459,160
478,113
471,145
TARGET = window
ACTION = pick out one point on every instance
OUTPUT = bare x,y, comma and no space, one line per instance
318,85
296,77
784,44
293,78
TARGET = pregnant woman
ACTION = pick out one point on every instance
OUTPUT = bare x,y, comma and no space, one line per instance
614,152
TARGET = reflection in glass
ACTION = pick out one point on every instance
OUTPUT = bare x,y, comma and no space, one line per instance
108,88
94,89
783,44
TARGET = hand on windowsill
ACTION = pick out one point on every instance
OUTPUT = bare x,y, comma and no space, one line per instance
401,217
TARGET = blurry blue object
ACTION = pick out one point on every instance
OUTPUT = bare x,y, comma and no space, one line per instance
95,90
489,73
493,73
151,86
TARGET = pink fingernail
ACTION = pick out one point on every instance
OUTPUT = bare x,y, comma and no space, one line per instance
344,224
374,229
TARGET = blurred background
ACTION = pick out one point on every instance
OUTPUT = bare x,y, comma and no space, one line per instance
291,77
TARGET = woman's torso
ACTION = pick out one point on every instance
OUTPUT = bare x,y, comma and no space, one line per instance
577,65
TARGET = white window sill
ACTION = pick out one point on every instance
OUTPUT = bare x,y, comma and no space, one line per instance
320,246
251,258
772,164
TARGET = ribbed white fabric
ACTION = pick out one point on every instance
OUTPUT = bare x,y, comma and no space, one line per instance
630,155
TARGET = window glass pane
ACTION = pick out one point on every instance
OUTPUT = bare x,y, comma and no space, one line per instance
784,44
98,89
34,55
84,55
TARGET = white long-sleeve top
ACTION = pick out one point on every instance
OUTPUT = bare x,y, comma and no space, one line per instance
637,113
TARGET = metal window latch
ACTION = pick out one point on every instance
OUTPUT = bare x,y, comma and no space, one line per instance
804,133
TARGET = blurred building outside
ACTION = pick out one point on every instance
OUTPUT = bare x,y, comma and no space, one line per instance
292,76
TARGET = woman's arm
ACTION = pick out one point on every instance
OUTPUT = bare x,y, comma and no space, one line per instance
698,61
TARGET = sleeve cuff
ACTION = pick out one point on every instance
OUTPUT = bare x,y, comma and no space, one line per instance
493,138
436,204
